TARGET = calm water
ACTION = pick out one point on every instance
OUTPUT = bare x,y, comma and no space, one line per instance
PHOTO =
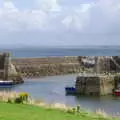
51,90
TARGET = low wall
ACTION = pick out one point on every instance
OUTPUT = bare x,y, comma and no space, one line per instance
37,67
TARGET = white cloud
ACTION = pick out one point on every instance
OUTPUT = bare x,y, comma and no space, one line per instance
48,5
80,24
9,5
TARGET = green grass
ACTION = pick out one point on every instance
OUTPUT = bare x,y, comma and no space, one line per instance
30,112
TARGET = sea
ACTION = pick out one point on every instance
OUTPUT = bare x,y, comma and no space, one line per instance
21,52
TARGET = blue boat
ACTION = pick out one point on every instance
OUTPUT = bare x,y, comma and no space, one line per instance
6,83
70,90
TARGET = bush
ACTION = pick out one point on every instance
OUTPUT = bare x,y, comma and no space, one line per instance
9,100
23,96
70,111
18,100
74,110
78,108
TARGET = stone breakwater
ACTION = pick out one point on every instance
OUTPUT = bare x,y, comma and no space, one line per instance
51,66
7,70
38,67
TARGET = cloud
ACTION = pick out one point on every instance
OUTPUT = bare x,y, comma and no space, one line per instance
9,5
55,23
48,5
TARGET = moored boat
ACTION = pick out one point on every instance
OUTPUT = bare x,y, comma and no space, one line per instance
117,92
70,90
6,83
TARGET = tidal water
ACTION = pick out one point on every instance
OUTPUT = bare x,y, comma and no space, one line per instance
51,90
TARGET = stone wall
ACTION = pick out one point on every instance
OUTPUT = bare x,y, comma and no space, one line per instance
8,70
113,66
96,85
4,65
2,62
106,64
36,67
107,84
88,85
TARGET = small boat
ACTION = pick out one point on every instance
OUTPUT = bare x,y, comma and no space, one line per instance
117,92
70,90
6,83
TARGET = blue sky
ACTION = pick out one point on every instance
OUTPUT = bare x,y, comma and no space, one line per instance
59,22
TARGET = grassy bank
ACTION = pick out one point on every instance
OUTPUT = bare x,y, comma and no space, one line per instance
12,109
30,112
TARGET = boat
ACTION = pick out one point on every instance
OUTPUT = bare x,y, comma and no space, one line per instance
117,92
6,83
70,90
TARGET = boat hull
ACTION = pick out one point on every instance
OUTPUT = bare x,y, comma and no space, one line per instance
70,90
117,92
6,83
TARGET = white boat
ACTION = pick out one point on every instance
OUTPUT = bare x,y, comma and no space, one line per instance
6,83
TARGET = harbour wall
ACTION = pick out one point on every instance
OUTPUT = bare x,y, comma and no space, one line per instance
97,85
89,85
50,66
38,67
8,70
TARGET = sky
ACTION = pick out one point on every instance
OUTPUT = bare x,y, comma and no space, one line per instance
59,22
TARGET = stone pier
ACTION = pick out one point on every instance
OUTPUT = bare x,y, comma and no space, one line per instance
96,84
7,70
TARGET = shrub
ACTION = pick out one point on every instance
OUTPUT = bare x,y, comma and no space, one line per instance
78,108
24,96
9,100
74,110
70,111
18,100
